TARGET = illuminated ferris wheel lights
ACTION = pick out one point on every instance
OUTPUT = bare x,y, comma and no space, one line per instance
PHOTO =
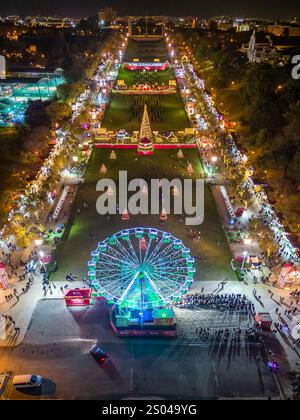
125,234
141,269
102,247
177,244
186,252
112,241
153,232
139,231
190,262
167,237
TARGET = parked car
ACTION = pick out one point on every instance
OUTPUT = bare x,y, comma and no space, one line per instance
27,381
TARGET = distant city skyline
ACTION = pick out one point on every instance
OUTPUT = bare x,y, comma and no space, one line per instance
77,8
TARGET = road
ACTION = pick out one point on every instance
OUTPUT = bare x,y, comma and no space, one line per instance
185,367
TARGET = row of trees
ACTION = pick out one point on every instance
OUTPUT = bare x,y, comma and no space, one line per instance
69,48
41,116
268,99
217,50
33,142
272,109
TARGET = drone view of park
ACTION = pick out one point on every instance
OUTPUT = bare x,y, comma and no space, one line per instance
142,257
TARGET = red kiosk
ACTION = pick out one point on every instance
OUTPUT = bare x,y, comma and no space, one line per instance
264,320
79,297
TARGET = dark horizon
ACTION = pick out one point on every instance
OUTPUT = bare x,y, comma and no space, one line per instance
75,8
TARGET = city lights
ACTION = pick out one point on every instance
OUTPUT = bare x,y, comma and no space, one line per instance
150,174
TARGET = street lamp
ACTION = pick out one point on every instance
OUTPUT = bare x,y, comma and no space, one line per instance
245,158
42,256
244,260
38,242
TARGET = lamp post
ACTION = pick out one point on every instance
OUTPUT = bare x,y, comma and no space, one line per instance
38,242
244,260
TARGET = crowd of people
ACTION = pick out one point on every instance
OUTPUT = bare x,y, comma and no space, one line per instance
296,294
226,302
9,324
229,335
295,382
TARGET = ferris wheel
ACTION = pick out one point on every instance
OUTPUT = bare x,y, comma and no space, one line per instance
141,268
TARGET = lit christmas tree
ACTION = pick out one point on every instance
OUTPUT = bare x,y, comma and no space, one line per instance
103,169
180,154
163,216
113,155
125,216
175,191
190,169
146,131
146,137
110,192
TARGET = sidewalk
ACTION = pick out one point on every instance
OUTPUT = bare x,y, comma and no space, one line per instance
237,249
22,308
21,311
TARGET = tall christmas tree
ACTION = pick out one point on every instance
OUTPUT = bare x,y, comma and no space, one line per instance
146,131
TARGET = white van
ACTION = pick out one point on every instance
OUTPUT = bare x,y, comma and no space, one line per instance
27,381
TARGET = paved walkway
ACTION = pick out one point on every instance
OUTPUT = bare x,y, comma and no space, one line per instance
268,303
21,311
22,305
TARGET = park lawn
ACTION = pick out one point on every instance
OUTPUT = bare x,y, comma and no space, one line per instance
229,102
118,114
146,51
174,114
87,228
129,77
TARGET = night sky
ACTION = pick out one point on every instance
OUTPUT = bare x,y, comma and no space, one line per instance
76,8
